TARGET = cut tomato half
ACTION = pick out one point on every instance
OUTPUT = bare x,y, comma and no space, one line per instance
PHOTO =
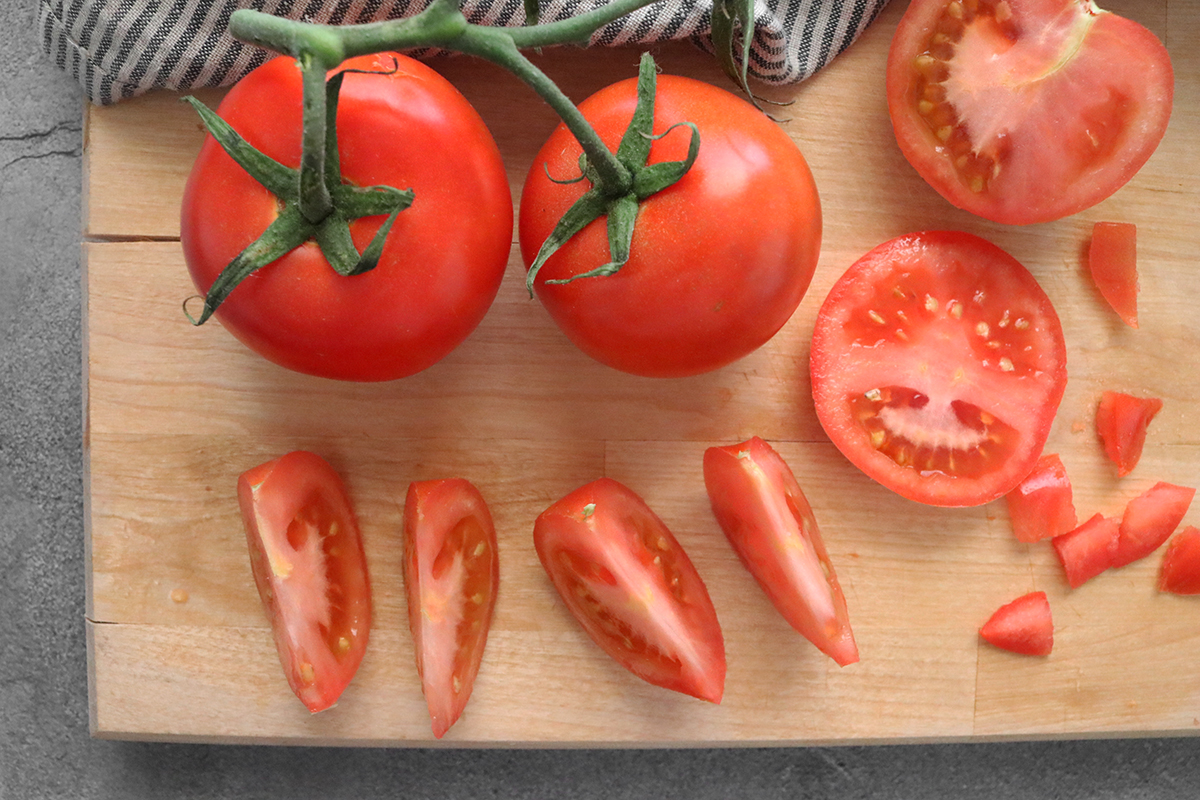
1122,421
767,519
1089,549
1180,571
1112,259
1042,505
451,577
1023,626
310,570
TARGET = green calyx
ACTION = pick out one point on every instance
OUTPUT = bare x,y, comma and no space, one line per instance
619,201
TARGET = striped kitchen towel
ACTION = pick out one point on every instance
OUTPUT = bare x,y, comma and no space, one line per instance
121,48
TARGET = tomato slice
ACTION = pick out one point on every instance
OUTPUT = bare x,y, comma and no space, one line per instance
1026,111
1121,422
937,366
1023,626
1112,259
451,577
311,572
1150,519
1089,549
1180,571
632,588
771,526
1042,505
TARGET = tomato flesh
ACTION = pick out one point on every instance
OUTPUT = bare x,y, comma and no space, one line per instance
1042,505
937,366
1112,259
1025,111
633,589
1089,549
311,572
769,522
1023,626
1150,519
1122,421
1180,571
451,577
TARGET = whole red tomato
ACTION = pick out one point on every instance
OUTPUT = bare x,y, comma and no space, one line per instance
403,126
719,260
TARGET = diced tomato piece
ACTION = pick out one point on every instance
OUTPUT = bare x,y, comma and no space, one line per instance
1023,626
1121,421
1089,549
1042,505
1112,258
1180,572
1150,519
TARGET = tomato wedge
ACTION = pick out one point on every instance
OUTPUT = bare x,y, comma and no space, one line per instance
938,364
310,570
1150,519
1042,505
1121,422
771,526
451,577
1026,111
1180,571
632,588
1023,626
1089,549
1112,259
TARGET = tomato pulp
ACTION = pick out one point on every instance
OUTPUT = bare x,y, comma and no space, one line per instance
938,364
401,125
719,260
1024,111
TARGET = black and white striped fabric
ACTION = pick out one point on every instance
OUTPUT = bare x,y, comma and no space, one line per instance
121,48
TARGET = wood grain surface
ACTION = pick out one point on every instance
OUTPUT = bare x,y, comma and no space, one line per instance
179,646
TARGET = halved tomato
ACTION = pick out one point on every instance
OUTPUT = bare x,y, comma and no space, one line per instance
1026,111
1089,549
311,572
1121,422
1112,260
451,577
938,364
771,526
1023,626
632,588
1042,506
1150,519
1180,571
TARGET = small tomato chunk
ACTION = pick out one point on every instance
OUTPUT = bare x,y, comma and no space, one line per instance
1112,259
1121,422
1042,505
1088,550
1180,572
1023,626
765,515
451,577
310,570
1150,519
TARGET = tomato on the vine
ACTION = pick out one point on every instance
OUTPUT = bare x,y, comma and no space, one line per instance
311,572
399,124
1024,111
719,260
938,364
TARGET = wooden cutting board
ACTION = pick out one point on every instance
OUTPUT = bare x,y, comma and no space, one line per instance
179,647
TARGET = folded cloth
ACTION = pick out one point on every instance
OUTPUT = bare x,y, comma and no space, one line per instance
121,48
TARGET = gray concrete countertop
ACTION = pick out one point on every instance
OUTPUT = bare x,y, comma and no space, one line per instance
45,748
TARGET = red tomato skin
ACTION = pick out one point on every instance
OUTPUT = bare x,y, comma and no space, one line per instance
299,591
1069,100
606,529
442,590
719,261
445,255
1180,570
1024,626
768,520
1021,383
1121,422
1042,505
1112,259
1088,550
1150,519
